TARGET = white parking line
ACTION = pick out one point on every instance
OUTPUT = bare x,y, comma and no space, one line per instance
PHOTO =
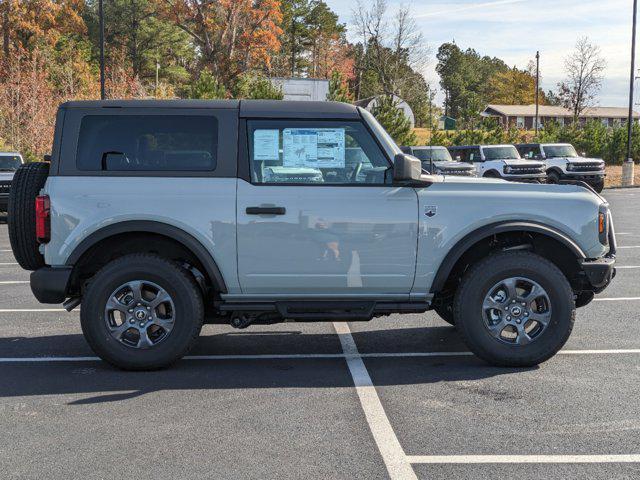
467,459
31,310
317,356
14,282
624,267
615,299
6,264
392,453
628,246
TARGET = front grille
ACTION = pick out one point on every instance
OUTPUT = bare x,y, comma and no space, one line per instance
584,167
5,186
461,172
525,171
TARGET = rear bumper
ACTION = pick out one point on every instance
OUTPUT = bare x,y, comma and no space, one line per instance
49,284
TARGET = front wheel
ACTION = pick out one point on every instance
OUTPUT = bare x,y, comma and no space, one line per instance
598,187
514,309
553,178
141,312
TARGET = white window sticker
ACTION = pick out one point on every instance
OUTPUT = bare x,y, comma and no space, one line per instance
313,147
266,145
331,151
300,147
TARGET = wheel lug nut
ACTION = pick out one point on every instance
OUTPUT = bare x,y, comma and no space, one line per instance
149,318
131,310
132,321
149,308
508,317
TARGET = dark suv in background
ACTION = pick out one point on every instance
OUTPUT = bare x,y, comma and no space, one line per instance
9,163
439,160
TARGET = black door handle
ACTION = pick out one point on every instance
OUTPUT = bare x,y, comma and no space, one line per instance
266,211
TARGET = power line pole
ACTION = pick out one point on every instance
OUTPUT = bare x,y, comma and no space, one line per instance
631,82
538,88
101,18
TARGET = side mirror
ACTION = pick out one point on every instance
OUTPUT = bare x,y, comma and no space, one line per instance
406,169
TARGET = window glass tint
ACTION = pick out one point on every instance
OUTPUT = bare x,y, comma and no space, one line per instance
435,154
529,152
316,153
9,162
501,153
553,151
147,143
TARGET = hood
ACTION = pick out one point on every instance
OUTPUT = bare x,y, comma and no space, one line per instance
4,176
448,165
580,160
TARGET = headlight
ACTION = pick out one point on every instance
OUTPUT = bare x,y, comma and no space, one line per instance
569,167
601,167
507,169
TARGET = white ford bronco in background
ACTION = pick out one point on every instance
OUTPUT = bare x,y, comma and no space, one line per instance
563,163
500,161
158,216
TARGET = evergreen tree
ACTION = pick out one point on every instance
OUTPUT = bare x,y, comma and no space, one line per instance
394,120
207,87
339,89
256,87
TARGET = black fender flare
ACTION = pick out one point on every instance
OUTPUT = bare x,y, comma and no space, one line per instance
493,229
555,170
148,226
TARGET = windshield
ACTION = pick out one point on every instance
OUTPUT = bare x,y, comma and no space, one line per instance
500,153
554,151
435,154
388,144
9,162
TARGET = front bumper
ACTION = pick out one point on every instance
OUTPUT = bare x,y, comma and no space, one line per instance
525,178
590,178
49,284
599,272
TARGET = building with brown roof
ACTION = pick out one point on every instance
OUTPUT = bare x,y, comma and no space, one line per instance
523,116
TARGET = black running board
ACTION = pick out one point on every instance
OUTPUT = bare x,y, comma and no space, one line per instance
315,310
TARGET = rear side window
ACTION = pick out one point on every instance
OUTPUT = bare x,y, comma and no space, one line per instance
148,143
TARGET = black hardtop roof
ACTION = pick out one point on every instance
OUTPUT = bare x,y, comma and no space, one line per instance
247,108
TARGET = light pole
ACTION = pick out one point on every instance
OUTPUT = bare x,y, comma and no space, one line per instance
537,89
631,82
101,20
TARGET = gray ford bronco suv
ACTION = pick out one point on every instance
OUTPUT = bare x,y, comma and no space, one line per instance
159,216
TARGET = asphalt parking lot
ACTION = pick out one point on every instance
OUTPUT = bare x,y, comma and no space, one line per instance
393,398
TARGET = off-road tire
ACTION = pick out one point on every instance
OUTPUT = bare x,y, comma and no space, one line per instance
27,182
598,187
178,283
445,312
477,282
553,178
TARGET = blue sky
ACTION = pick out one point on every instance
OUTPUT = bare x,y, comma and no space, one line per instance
514,29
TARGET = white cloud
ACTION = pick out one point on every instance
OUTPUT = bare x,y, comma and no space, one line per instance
514,29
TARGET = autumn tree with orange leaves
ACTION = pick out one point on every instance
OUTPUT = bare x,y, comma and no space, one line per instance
233,36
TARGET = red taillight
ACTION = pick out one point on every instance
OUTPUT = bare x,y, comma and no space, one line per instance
43,218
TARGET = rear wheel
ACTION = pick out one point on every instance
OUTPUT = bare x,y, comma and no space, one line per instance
25,187
141,312
514,309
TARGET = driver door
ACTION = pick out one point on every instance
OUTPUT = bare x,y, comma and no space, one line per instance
318,215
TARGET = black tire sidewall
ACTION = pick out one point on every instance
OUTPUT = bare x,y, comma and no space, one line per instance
553,178
188,312
469,318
